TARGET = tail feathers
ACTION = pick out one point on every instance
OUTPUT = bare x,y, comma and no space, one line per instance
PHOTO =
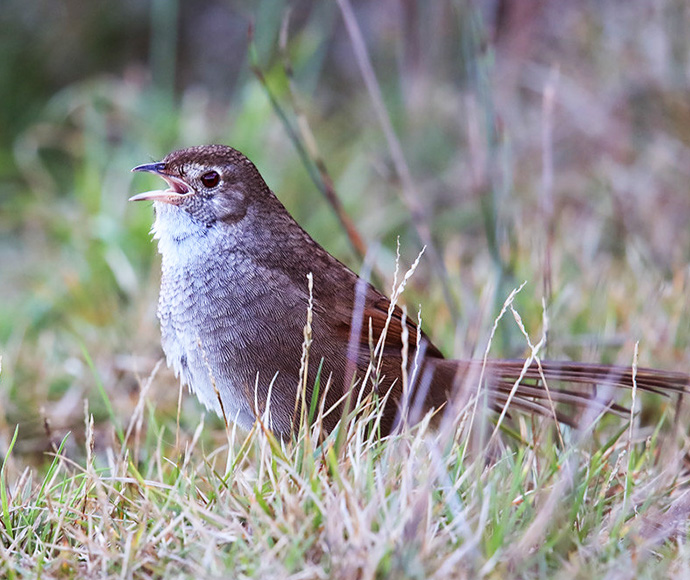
541,385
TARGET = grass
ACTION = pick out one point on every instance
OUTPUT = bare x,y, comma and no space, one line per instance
550,147
417,505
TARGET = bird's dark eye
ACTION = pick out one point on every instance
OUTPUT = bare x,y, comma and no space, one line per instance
210,179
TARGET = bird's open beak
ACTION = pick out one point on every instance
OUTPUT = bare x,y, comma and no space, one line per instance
177,189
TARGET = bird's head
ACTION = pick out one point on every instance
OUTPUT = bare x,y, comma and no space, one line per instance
211,183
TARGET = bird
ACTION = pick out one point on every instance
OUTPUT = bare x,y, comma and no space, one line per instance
240,276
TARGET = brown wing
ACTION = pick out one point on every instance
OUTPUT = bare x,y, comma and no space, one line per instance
371,310
576,385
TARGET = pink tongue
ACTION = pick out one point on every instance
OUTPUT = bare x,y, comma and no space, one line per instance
177,186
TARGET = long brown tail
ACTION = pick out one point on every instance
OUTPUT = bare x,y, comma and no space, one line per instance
587,386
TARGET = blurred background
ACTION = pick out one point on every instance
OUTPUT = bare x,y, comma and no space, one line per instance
546,142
